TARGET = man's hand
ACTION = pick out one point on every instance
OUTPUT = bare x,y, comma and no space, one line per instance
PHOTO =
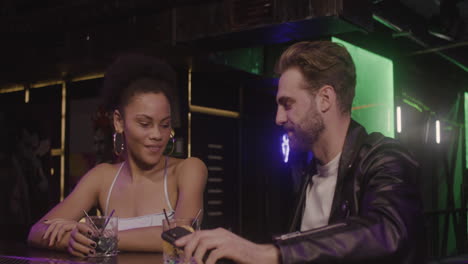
224,244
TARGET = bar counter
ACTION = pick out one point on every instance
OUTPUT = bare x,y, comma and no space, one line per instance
19,253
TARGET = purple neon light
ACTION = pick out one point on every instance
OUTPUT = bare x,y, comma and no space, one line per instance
44,260
285,148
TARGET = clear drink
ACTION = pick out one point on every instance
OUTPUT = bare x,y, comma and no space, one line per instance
171,254
105,235
106,246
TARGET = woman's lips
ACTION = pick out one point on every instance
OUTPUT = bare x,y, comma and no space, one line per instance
154,148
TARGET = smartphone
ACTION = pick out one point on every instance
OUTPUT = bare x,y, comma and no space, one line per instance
173,234
177,232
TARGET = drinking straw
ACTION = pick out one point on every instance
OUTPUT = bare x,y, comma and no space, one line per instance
90,220
167,218
196,217
107,221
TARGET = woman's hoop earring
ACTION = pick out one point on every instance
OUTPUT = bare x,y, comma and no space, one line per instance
172,139
118,140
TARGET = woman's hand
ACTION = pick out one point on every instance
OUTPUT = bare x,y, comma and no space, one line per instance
58,227
80,244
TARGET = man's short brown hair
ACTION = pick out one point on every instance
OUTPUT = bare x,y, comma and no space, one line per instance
323,63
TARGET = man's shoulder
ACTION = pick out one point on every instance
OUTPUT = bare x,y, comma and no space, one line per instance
360,133
377,147
378,139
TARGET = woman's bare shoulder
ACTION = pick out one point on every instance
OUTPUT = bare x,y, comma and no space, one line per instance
106,167
191,163
102,172
190,168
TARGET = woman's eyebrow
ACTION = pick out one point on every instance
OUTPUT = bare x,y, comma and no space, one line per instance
149,117
143,116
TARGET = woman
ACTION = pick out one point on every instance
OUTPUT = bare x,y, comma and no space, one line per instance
145,183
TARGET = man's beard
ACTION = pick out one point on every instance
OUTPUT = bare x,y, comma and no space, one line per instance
306,133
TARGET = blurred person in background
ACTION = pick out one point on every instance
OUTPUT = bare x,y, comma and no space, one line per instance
24,181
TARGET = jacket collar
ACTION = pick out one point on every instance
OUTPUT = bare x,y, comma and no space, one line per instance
345,182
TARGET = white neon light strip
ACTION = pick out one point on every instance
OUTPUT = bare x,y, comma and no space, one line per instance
398,118
437,123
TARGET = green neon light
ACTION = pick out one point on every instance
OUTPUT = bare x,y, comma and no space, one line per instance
245,59
385,23
415,106
460,65
374,89
466,130
416,101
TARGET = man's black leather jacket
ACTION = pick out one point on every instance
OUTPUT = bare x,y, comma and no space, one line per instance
376,215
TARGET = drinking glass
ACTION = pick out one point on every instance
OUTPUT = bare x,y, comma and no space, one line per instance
105,231
171,254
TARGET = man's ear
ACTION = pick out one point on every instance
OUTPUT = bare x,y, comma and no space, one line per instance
118,121
327,98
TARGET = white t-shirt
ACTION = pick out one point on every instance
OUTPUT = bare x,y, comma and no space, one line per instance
319,196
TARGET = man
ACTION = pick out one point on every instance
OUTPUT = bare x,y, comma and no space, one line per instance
358,202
